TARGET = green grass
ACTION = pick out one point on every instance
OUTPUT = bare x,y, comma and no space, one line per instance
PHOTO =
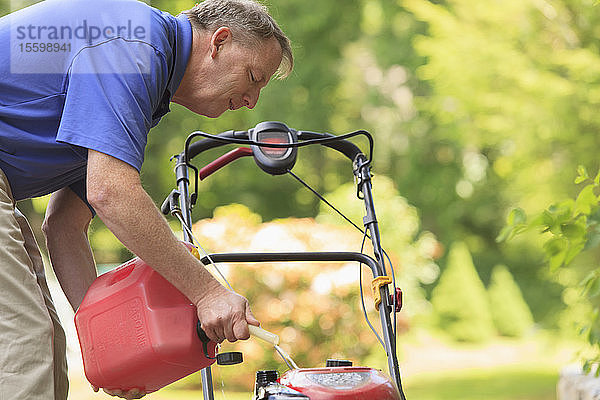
529,382
173,394
535,382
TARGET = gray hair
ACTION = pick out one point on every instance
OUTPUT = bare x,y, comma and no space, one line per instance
249,22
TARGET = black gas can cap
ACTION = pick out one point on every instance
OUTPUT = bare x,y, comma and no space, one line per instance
338,363
230,358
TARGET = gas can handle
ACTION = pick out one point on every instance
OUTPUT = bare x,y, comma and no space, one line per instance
255,331
264,335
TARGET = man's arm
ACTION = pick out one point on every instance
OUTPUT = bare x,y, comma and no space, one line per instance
115,191
65,227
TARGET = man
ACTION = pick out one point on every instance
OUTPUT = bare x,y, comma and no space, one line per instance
81,84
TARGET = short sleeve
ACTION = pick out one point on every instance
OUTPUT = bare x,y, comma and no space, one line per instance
80,189
111,91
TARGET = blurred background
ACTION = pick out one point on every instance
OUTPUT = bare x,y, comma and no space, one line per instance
477,108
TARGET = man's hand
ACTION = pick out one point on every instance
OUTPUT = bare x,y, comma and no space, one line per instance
129,395
224,314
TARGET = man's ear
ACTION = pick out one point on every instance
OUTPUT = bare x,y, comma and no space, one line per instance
220,37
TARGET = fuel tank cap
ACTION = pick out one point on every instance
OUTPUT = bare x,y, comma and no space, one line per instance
332,362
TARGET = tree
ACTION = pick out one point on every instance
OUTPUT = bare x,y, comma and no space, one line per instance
505,110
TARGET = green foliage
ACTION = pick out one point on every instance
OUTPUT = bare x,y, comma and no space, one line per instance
510,312
570,227
460,300
573,225
505,101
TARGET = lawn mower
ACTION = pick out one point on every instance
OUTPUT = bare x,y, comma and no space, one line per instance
160,339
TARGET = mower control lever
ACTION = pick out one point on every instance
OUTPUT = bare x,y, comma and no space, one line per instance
171,203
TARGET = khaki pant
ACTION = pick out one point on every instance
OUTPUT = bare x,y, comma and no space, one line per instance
33,363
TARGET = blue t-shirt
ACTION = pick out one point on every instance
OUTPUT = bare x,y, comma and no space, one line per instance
83,74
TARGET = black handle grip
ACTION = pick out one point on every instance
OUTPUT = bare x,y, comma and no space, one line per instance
201,334
205,341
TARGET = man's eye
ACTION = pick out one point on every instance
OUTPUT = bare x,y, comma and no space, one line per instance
252,77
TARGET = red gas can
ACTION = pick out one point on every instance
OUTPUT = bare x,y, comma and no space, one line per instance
136,330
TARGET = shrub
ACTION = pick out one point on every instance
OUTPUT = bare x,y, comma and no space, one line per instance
460,299
510,312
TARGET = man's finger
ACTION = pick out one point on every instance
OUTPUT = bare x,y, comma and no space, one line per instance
135,393
115,392
250,318
229,330
241,330
215,334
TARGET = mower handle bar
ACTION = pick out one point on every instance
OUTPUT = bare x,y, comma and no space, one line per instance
345,147
300,256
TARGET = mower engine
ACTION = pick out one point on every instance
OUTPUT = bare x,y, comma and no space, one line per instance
339,380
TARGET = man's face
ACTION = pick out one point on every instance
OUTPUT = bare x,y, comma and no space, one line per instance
227,75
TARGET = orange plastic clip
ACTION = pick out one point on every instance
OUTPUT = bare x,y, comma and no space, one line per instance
195,252
376,284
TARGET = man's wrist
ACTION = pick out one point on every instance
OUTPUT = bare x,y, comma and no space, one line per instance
211,288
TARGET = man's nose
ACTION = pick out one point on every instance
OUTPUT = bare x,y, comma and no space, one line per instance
251,98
